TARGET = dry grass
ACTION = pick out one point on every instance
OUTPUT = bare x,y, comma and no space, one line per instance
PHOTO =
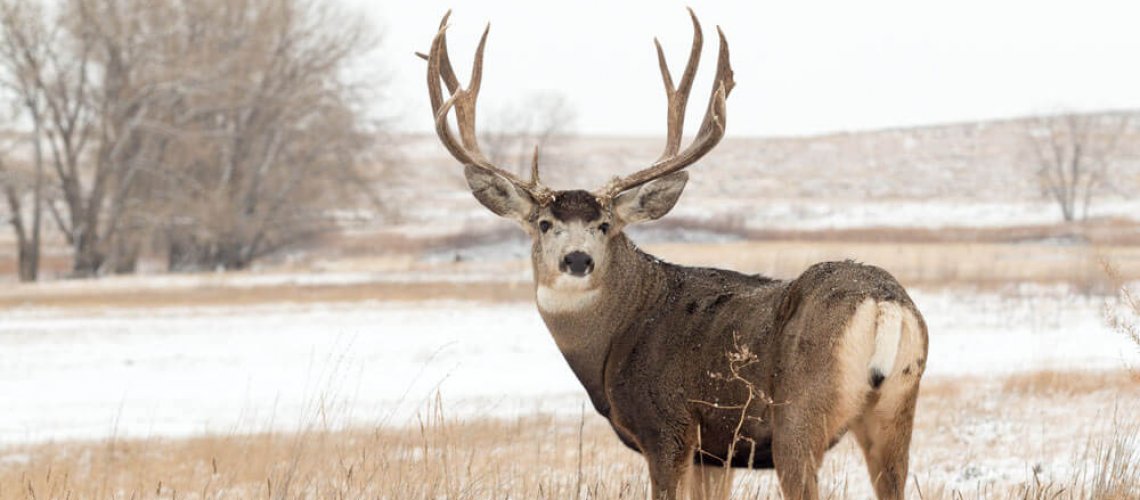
1106,231
1069,435
531,457
1048,382
983,265
914,264
225,295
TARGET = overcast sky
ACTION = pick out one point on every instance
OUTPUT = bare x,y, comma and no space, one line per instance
802,67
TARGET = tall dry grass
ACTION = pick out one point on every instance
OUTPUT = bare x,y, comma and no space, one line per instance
438,457
1088,450
932,265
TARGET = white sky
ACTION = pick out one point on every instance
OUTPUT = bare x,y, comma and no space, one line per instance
801,66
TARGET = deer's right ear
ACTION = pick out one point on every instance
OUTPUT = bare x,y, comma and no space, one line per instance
498,194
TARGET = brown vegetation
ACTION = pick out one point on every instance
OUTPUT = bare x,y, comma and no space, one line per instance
1042,424
1100,231
926,264
1054,382
226,295
984,266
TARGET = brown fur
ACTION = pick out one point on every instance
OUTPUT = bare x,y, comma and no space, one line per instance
652,355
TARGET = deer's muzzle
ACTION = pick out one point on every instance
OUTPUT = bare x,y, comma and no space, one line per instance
576,263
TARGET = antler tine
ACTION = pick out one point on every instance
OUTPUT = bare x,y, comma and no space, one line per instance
534,168
438,106
712,127
678,97
722,83
463,101
465,110
446,71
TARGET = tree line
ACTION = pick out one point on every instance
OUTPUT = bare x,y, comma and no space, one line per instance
210,131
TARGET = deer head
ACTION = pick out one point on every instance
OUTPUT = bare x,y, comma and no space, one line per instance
572,230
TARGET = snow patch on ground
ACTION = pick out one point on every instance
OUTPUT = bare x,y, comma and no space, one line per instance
70,374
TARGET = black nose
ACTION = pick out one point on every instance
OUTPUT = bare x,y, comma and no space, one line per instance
577,263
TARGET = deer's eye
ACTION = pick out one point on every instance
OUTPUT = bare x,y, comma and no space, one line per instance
604,228
544,226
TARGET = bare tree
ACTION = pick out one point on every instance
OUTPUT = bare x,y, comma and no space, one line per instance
14,185
128,90
542,119
73,90
266,130
35,76
1074,155
217,130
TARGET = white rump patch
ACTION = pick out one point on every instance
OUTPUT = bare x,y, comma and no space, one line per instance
888,332
567,295
880,342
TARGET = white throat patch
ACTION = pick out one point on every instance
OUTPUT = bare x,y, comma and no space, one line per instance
567,295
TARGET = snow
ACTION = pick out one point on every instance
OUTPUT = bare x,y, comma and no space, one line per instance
186,371
1036,329
94,373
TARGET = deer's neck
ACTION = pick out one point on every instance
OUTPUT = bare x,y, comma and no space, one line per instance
584,322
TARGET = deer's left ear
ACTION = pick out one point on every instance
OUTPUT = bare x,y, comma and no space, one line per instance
651,200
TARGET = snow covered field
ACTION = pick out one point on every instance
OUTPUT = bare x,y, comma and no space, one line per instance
93,373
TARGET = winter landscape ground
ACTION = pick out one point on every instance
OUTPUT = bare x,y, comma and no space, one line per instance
405,359
468,397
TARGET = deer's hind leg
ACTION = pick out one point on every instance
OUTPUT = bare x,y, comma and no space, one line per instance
884,435
821,403
883,430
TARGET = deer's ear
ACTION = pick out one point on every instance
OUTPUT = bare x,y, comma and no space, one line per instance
650,200
498,194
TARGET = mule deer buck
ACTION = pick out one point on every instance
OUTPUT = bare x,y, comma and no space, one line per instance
702,370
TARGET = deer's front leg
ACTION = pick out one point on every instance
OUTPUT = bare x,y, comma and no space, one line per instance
669,454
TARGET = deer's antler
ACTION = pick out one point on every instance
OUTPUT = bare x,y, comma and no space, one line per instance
466,149
712,128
